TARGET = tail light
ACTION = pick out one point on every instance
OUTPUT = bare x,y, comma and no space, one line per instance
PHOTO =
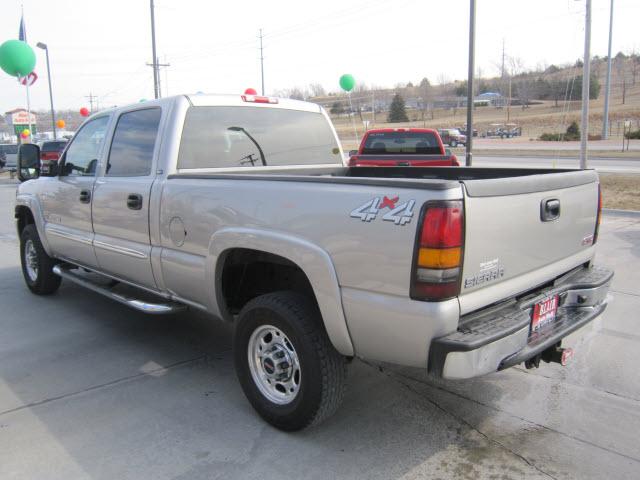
599,215
353,162
438,255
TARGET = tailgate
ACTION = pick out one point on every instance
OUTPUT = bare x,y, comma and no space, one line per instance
523,232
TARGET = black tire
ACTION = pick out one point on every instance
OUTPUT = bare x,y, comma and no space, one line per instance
322,369
45,282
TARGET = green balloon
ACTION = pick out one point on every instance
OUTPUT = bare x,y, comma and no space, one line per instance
347,82
17,58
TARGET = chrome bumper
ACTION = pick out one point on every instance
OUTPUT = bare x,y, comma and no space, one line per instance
499,337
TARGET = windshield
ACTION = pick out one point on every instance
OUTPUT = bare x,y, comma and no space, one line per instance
10,149
53,146
219,137
424,143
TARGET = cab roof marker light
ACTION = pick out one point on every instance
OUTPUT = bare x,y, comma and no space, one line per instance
258,99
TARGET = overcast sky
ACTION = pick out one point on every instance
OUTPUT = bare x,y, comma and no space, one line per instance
101,47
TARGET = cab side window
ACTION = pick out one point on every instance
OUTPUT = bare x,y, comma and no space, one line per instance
133,142
81,158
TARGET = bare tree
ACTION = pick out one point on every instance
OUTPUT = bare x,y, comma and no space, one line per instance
425,94
295,93
635,66
317,90
620,62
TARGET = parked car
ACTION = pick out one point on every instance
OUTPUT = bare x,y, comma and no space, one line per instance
503,130
240,206
52,149
452,137
463,131
8,154
408,147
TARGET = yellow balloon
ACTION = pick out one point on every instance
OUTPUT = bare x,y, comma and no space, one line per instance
60,123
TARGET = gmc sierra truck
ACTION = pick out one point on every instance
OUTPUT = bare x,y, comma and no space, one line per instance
241,206
404,147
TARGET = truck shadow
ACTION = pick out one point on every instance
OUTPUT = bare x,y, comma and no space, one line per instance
114,391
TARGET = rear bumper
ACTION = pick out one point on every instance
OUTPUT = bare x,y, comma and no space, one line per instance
499,337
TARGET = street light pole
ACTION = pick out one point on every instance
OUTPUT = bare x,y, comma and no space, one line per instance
586,77
156,90
44,47
605,117
472,36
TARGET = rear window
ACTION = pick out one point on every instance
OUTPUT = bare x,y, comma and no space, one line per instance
53,146
9,149
424,143
218,137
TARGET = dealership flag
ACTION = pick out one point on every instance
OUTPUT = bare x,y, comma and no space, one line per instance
22,36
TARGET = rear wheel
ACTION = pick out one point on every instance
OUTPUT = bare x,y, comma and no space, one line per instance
286,364
37,266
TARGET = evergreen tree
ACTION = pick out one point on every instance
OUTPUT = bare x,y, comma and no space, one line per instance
337,108
397,112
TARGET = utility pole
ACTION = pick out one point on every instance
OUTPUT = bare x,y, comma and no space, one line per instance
156,77
261,62
373,105
157,66
91,97
586,74
605,117
472,52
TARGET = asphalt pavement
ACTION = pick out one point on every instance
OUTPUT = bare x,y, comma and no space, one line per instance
90,389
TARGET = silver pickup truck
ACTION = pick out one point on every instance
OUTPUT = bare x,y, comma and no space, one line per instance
241,206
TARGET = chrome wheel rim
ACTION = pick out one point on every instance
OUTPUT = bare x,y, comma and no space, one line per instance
274,364
31,260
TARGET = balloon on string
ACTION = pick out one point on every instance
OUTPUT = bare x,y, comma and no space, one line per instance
84,111
17,58
250,91
347,82
60,123
25,133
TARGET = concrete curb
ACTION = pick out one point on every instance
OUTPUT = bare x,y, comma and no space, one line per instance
621,213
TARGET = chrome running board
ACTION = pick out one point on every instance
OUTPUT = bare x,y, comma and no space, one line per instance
140,305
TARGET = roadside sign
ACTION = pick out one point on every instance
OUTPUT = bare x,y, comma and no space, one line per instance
21,117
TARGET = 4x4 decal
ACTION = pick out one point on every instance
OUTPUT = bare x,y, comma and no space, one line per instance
398,214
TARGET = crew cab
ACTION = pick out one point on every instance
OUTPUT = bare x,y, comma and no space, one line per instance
240,206
407,147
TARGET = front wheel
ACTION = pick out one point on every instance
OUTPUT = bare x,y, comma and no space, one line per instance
286,364
37,266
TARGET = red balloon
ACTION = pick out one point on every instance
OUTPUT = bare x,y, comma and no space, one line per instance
84,111
250,91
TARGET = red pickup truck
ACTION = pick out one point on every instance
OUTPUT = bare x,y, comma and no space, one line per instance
405,147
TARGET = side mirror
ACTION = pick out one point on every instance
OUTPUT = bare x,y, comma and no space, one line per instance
28,164
353,152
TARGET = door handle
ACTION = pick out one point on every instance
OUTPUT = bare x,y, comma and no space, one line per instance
549,209
134,201
85,196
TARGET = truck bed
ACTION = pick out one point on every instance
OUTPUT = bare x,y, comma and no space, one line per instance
476,179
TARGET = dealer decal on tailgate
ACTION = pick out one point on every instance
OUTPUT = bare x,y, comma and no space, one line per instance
400,214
